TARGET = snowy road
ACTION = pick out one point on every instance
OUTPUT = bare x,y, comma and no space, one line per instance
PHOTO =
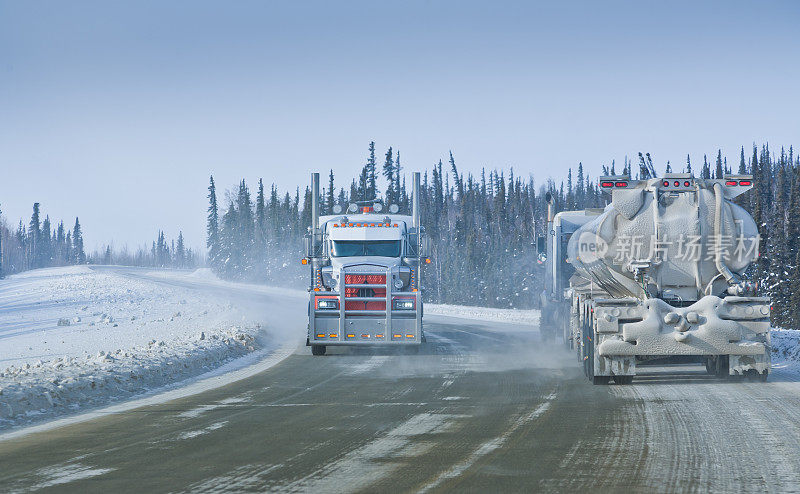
485,407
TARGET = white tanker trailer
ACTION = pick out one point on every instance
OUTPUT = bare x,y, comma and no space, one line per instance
657,276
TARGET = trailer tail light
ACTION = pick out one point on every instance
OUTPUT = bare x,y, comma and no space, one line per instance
677,184
620,184
687,183
746,183
731,183
665,183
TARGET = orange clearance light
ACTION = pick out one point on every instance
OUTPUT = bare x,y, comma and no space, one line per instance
397,335
365,336
333,335
321,335
427,260
316,289
395,225
731,183
372,224
409,336
746,183
304,261
351,336
413,289
378,336
350,224
387,225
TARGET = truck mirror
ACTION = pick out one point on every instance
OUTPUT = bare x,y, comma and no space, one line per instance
424,248
541,245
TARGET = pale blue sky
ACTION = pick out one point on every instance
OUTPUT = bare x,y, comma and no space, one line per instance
118,112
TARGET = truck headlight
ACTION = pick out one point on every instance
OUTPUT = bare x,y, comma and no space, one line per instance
327,303
403,304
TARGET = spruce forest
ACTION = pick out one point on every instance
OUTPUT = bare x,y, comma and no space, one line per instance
40,244
483,228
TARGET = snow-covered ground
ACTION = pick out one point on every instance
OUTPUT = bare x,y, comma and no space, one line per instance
72,337
517,316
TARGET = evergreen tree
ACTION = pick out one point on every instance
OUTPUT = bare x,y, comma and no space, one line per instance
330,199
180,252
77,243
34,233
718,173
212,227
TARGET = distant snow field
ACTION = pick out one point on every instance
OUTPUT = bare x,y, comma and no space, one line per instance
72,337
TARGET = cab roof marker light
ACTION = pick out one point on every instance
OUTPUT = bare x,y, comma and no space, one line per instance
677,183
606,184
731,183
746,183
665,183
621,184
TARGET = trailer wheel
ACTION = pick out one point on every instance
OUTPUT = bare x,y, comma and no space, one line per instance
623,379
317,350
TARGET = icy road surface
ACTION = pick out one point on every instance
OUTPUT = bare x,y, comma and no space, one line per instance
486,407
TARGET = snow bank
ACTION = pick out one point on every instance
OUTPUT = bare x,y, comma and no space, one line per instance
786,350
71,337
517,316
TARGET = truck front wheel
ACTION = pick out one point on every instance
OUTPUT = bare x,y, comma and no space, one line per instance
317,349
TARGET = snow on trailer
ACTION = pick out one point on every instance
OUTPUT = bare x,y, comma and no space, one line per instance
657,275
364,286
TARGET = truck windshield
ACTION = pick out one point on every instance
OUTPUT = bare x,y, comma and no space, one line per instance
381,248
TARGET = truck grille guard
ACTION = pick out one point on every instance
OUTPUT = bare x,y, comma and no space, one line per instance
359,275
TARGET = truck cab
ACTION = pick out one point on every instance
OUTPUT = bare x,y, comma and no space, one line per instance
364,288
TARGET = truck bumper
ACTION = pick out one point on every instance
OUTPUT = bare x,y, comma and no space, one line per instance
345,327
365,331
735,326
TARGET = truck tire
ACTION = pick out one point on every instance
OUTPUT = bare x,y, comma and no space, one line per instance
317,350
721,369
